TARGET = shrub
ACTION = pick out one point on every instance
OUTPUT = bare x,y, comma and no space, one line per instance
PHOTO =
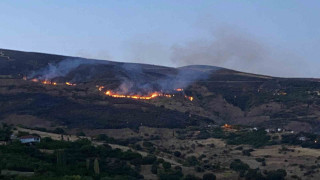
209,176
170,175
190,177
238,165
279,174
81,134
59,131
166,165
254,174
154,168
177,153
178,168
191,161
150,159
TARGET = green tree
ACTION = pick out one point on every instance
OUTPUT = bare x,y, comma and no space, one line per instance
279,174
209,176
154,168
61,157
166,165
96,167
88,163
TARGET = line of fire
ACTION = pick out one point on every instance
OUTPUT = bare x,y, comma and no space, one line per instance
113,94
152,95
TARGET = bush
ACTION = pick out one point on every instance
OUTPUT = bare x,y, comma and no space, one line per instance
178,168
147,144
260,159
154,168
166,165
81,134
177,153
190,177
254,174
238,165
150,159
58,131
191,161
279,174
160,160
198,169
170,175
209,176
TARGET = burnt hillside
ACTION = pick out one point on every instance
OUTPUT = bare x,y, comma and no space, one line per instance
220,95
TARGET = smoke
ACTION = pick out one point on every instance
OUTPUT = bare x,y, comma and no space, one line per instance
237,50
143,79
61,69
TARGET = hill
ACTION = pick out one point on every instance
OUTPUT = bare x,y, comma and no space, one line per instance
218,95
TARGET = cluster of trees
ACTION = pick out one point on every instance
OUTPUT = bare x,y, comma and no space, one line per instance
255,138
311,140
248,173
71,160
5,132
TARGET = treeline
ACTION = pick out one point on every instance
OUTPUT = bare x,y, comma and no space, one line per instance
307,140
64,160
256,138
246,172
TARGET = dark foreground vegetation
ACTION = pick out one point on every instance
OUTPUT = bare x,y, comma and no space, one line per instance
69,160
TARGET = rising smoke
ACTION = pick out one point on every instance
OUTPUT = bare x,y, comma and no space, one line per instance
237,50
62,68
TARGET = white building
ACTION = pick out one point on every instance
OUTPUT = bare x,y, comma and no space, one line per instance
29,139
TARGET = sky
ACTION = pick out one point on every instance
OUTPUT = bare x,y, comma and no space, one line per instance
272,37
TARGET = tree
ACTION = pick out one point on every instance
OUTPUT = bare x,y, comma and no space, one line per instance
166,165
209,176
61,159
88,163
279,174
81,133
59,131
177,153
238,165
190,177
96,167
154,168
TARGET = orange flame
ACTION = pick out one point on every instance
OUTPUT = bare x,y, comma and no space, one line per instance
151,96
147,97
70,84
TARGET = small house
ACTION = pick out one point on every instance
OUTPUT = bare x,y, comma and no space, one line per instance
302,138
29,139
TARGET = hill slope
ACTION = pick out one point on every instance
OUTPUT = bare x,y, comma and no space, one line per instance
219,95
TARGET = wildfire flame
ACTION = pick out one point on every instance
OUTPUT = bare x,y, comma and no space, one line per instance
145,97
48,82
115,95
189,97
70,84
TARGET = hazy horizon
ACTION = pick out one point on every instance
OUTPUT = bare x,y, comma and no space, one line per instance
266,37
